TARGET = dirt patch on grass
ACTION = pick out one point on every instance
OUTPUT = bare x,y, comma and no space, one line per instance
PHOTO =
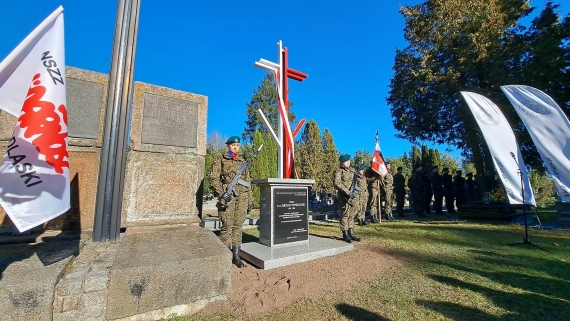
256,292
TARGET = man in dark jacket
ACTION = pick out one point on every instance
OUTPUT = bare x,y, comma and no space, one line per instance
400,191
447,182
437,188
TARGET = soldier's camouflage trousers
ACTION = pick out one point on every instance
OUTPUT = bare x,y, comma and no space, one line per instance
362,201
232,220
389,202
346,214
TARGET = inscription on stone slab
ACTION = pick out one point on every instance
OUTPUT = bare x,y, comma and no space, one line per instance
84,102
169,121
290,215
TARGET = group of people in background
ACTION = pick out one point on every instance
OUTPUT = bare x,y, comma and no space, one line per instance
355,196
361,189
425,187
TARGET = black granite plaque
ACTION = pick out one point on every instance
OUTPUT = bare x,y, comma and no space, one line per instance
84,103
290,215
169,121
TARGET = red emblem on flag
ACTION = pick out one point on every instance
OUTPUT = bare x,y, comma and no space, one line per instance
378,165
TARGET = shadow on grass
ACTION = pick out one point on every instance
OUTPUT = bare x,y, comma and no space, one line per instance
355,313
531,306
457,312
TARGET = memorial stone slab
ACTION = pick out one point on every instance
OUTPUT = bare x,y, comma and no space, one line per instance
83,108
168,120
284,227
86,101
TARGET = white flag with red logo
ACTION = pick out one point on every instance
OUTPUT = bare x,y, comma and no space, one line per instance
34,173
378,165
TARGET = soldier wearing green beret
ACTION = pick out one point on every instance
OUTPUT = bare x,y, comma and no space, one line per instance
361,197
223,171
342,180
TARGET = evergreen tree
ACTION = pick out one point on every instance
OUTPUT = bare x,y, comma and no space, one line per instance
310,156
416,156
426,159
361,157
264,97
330,161
265,164
435,157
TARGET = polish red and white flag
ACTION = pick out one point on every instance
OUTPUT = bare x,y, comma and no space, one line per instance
378,164
34,173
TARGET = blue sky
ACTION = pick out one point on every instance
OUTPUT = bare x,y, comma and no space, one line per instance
209,47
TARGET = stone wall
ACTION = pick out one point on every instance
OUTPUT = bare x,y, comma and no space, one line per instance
165,162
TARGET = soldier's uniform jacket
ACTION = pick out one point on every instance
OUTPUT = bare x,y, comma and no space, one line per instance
224,170
342,180
372,179
399,183
363,184
388,183
436,183
416,184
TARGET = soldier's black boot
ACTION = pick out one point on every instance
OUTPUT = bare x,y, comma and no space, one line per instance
390,217
346,237
362,222
236,259
352,236
374,218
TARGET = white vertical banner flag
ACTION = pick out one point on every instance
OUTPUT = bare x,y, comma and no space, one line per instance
549,129
34,173
503,146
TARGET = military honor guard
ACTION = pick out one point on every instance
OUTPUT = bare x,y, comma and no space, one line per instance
343,180
373,179
388,188
362,197
233,212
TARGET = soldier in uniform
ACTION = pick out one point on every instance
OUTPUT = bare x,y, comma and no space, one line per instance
373,179
361,197
416,185
447,182
388,187
223,171
437,188
459,187
400,191
342,180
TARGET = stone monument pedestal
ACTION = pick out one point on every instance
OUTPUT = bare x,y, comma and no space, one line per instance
284,227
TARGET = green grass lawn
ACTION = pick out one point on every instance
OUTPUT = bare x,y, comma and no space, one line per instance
453,271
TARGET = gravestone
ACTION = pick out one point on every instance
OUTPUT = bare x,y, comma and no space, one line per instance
284,227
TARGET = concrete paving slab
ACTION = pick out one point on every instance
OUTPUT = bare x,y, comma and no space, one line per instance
164,267
28,275
266,257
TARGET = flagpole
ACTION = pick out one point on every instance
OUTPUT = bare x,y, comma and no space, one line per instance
114,147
